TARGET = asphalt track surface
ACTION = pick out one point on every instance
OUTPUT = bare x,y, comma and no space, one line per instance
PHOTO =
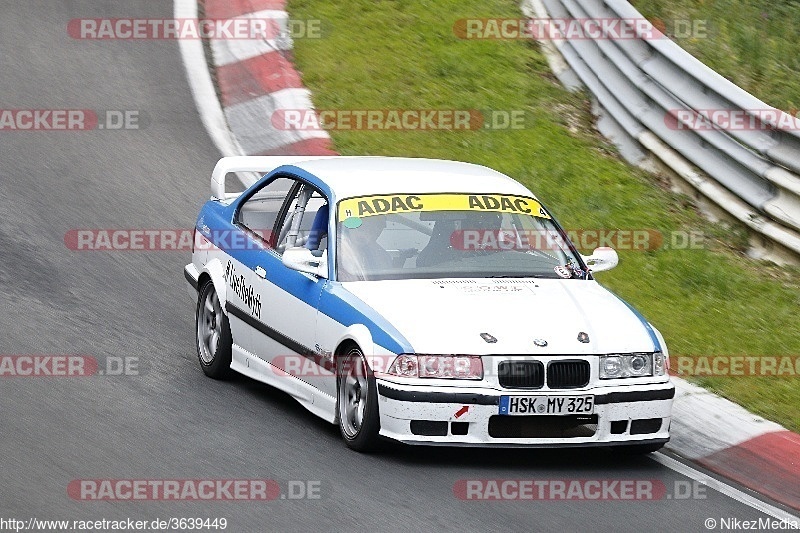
171,422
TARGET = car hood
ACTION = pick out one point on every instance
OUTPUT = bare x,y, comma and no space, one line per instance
448,316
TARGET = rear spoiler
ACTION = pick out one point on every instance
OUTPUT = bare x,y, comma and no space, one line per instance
248,163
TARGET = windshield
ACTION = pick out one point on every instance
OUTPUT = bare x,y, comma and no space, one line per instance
407,236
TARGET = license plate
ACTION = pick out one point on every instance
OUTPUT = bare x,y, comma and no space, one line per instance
547,405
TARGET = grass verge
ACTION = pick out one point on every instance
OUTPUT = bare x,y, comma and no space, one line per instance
382,54
753,43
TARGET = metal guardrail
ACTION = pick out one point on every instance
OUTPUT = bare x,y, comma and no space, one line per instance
644,88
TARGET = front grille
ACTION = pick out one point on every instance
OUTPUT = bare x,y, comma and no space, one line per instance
567,374
521,374
542,427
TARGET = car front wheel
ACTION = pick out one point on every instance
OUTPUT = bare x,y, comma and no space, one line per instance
357,401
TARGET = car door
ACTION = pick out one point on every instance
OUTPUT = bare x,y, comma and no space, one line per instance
246,248
284,332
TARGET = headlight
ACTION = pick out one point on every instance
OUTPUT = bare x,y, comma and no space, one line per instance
437,366
632,365
610,366
404,366
640,365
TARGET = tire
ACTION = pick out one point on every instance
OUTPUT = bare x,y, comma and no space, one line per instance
212,334
642,449
357,401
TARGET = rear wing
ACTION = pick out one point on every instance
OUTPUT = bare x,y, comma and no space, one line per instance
246,163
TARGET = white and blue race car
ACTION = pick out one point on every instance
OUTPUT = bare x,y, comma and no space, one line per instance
425,301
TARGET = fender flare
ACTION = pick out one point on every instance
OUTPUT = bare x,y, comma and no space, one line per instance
216,272
373,353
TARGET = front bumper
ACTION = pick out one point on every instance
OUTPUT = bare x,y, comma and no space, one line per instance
467,416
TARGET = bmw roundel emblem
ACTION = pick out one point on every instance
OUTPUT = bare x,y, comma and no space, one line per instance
488,337
541,343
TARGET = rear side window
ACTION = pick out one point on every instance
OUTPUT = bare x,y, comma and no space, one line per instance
259,212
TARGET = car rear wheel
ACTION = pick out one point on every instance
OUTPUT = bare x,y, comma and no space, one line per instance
357,401
213,334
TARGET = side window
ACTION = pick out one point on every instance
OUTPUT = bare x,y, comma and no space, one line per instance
259,212
305,222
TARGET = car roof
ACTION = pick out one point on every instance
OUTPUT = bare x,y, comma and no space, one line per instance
361,176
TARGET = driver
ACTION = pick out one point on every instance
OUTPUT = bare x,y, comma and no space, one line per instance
360,254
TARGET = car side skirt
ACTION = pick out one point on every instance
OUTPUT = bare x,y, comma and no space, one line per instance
313,399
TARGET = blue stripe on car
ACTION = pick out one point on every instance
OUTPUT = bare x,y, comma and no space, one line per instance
347,309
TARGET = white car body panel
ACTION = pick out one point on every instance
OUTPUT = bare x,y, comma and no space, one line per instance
514,311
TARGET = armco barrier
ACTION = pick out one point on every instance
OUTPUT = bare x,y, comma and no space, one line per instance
643,88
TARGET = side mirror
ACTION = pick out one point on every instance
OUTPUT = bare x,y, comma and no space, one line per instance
603,258
305,260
